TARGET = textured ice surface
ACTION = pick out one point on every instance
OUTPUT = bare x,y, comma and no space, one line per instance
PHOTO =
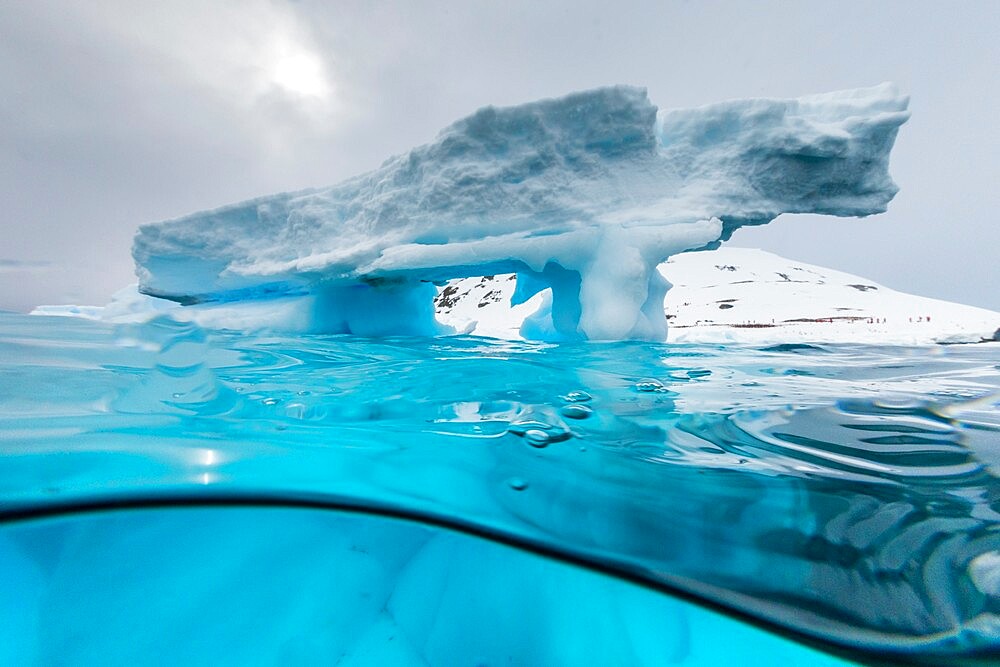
585,195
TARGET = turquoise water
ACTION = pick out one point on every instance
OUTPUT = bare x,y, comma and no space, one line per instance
172,495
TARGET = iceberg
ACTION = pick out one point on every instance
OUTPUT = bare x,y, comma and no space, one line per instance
585,194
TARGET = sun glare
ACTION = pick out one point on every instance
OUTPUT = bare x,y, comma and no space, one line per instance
301,74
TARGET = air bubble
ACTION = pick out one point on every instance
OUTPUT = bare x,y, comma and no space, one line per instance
577,397
539,433
271,401
576,411
536,438
517,483
649,385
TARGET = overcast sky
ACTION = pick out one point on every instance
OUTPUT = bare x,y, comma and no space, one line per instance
117,113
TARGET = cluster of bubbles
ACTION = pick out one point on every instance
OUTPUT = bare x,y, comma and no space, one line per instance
542,426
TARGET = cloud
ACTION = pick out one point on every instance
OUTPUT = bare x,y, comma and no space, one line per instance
12,265
243,52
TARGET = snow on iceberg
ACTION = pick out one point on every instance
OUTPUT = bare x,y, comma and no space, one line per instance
584,194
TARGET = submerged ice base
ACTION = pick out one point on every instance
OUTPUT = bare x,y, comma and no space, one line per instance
585,195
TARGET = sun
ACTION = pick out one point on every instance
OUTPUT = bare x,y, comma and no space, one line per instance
299,72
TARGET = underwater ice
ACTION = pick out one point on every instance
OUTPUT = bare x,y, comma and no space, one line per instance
584,194
268,586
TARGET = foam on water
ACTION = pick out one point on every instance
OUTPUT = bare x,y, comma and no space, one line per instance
841,494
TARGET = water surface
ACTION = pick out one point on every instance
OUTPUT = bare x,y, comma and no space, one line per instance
633,498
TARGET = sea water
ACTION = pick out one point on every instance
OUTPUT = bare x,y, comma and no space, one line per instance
172,495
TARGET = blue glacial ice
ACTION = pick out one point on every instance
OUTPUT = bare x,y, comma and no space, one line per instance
283,586
585,194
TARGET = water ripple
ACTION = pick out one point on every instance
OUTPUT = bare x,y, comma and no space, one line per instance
846,492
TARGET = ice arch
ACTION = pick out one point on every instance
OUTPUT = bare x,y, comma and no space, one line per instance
585,194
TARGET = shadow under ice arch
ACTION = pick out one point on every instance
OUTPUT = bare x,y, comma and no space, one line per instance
585,194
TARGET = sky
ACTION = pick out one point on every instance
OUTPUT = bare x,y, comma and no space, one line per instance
117,113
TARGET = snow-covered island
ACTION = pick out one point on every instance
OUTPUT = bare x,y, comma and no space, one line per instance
746,296
581,197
